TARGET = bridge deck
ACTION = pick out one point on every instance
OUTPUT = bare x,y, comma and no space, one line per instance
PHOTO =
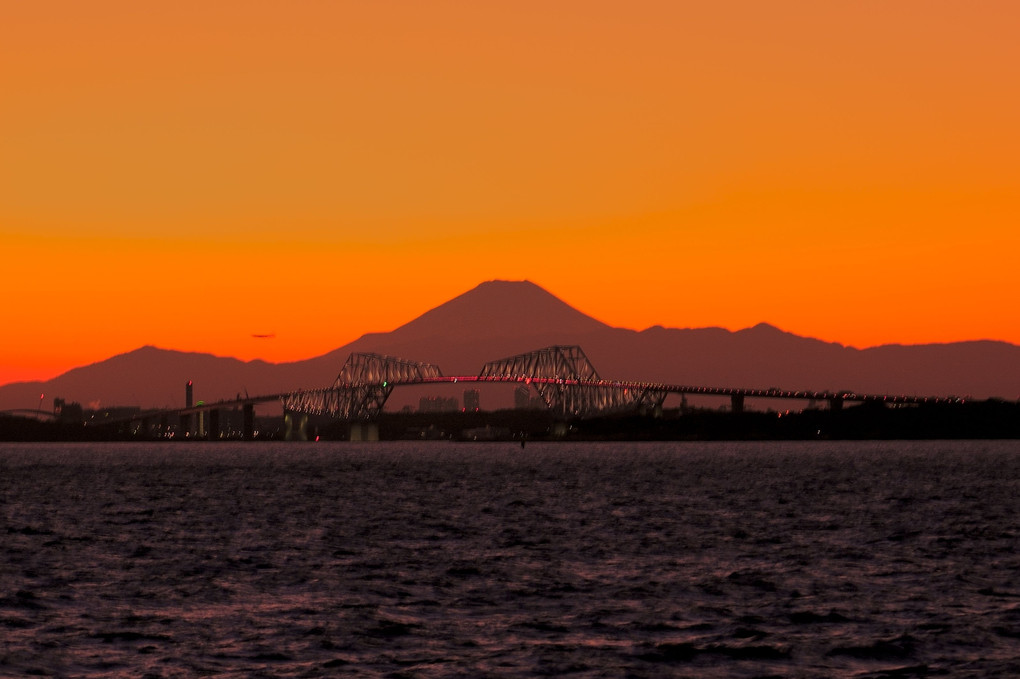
692,390
366,381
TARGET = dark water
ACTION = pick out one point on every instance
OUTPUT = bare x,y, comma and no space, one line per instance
588,560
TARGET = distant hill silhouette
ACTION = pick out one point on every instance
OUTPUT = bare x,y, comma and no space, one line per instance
502,318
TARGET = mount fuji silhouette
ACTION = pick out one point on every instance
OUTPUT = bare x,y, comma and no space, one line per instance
502,318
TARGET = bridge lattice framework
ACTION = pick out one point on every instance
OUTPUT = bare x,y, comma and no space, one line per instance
360,391
569,384
562,376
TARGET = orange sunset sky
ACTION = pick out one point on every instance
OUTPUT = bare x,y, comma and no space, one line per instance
190,173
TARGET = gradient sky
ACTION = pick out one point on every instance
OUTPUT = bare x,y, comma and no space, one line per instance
191,173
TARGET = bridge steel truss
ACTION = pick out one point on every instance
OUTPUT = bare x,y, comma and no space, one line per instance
569,385
360,391
563,377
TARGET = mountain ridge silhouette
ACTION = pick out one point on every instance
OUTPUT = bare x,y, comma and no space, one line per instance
503,318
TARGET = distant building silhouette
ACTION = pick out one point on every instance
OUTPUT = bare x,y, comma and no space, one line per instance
69,412
472,400
522,397
437,404
523,400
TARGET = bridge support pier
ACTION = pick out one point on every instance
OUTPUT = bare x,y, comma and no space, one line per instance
737,403
248,422
214,425
185,426
295,426
364,431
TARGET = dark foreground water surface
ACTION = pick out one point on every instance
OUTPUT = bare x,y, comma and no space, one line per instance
473,560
